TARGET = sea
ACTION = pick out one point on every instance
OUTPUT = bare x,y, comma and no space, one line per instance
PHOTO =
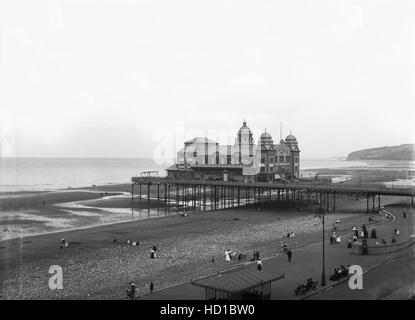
47,174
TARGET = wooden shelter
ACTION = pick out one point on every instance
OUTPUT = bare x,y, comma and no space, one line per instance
243,284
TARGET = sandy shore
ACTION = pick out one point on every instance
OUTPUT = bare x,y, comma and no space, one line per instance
25,213
96,267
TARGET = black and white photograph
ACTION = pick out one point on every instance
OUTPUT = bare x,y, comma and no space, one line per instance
209,152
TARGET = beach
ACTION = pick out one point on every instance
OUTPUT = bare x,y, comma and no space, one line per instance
98,221
96,267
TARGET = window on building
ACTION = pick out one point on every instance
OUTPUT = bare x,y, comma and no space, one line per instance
296,159
194,153
281,159
288,159
262,160
229,159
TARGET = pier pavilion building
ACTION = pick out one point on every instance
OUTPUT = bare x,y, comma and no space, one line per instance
205,159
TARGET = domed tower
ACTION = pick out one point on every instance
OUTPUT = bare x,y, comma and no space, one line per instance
244,142
292,142
267,156
265,139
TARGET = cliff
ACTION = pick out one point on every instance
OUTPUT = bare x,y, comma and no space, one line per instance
402,152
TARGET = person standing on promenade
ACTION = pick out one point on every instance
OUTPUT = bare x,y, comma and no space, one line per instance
404,214
365,233
151,287
259,265
289,254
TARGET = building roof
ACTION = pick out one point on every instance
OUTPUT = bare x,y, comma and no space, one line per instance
217,166
200,140
227,149
291,139
175,167
237,281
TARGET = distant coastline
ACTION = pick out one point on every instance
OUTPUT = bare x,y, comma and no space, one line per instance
404,152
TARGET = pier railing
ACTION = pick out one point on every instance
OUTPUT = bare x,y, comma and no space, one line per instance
338,187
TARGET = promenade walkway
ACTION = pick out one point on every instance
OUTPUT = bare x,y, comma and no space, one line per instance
307,262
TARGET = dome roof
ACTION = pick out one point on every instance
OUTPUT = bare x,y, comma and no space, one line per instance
265,136
244,129
290,138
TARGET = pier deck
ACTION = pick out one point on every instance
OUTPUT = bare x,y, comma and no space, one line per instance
257,192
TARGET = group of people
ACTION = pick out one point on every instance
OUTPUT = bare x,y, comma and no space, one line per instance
64,243
339,273
303,288
229,255
130,243
362,234
335,238
132,290
133,243
290,235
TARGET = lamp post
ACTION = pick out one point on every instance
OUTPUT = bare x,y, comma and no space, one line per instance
323,272
184,159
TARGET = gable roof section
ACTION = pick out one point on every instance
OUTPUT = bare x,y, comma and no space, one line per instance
237,281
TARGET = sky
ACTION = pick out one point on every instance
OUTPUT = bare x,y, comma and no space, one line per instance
124,78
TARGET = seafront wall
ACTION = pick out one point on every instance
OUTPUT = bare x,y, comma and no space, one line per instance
383,248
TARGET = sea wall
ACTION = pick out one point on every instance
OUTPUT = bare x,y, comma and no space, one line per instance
383,248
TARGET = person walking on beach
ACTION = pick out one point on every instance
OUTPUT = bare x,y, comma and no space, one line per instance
289,255
227,255
151,287
404,214
259,265
131,291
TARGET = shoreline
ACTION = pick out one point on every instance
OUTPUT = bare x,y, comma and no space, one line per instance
28,204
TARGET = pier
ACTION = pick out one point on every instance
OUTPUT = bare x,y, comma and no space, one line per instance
227,194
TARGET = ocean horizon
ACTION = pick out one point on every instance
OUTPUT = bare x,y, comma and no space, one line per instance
46,174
